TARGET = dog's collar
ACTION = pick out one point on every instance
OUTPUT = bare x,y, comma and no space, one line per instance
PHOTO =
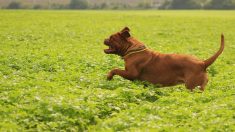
136,50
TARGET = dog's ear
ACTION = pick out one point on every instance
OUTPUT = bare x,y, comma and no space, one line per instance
125,32
125,29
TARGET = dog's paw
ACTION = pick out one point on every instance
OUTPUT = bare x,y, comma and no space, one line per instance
110,76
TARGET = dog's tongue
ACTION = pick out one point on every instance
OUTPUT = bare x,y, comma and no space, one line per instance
108,51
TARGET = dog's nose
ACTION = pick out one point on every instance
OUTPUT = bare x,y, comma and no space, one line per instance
106,41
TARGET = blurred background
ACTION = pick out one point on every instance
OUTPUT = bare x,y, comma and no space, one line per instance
117,4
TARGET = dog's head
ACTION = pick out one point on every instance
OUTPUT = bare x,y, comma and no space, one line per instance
118,42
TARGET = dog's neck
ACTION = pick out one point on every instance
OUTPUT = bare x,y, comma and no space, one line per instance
135,47
134,50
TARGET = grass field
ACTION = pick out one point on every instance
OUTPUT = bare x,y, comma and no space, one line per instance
53,72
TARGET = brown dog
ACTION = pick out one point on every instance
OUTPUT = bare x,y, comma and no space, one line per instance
157,68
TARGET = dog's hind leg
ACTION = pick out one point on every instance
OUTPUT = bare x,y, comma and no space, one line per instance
197,80
191,81
204,81
190,84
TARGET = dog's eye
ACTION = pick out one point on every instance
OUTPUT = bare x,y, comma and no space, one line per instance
111,37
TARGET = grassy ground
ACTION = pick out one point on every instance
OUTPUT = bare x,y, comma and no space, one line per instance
53,72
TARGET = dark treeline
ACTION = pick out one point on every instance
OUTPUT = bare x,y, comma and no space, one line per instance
147,4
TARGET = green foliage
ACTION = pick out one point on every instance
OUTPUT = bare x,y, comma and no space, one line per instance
184,4
14,5
78,4
37,6
144,5
118,5
53,72
218,4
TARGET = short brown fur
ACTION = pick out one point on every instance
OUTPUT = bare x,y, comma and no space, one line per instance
155,67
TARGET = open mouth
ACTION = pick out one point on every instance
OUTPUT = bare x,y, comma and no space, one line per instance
109,50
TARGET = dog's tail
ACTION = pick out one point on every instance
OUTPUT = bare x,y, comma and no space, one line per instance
209,61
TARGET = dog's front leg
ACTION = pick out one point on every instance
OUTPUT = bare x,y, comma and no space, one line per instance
127,74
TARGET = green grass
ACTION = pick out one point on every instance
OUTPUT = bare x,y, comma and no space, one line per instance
53,72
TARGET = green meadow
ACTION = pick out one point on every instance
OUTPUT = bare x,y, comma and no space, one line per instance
53,72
